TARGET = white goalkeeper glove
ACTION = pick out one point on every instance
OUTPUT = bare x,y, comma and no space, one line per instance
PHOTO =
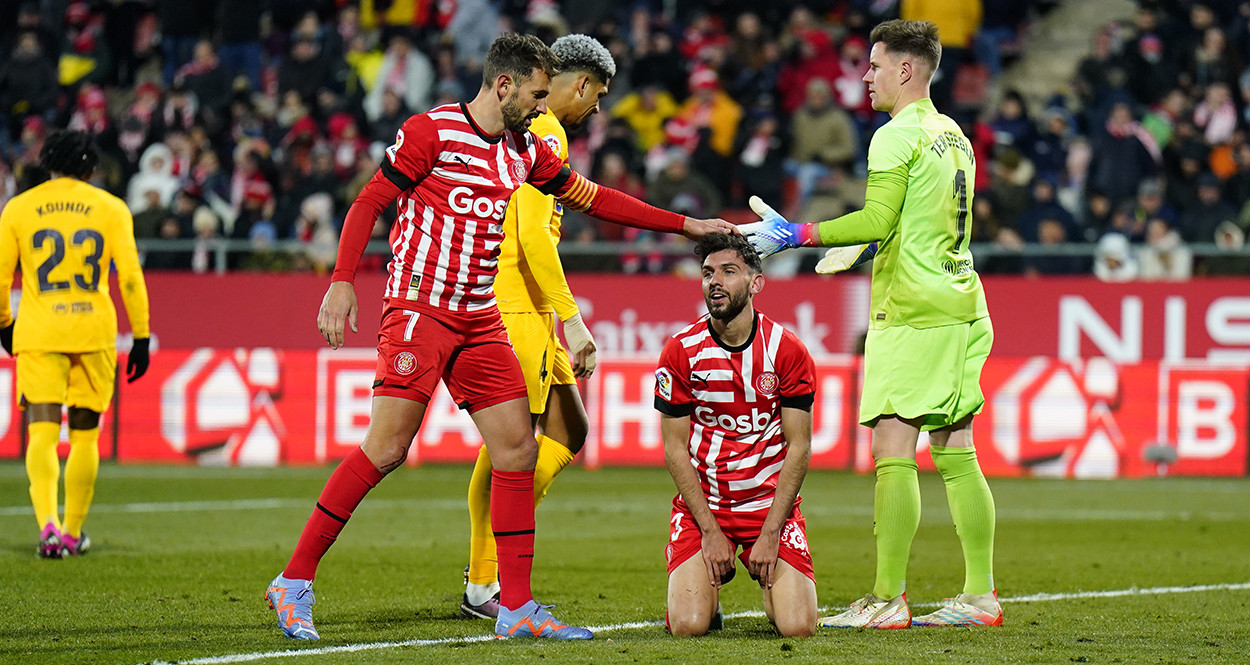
772,233
581,346
839,259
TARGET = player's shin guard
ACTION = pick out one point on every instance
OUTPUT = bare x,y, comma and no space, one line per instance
483,562
43,469
81,470
349,483
553,457
512,518
972,509
896,516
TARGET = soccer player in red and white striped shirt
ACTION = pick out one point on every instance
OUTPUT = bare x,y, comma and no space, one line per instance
452,171
735,391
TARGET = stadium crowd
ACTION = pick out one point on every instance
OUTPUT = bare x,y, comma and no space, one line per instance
260,120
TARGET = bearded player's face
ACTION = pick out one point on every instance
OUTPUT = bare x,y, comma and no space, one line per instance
526,101
727,283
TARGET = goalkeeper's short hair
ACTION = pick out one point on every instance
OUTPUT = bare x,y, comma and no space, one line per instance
715,242
582,53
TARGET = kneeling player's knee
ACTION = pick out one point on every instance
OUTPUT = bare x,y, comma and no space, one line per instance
689,625
796,627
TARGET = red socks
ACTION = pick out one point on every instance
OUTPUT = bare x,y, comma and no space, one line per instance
512,519
349,483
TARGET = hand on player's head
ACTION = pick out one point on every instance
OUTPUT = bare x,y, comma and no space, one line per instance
697,228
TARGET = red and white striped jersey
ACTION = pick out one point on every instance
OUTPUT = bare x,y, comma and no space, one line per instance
456,182
734,397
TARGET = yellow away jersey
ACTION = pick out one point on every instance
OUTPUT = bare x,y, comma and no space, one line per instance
65,233
531,278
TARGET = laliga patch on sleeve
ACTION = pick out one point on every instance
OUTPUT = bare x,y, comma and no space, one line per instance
664,383
553,142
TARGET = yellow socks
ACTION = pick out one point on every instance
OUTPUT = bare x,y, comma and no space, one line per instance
553,457
81,470
896,516
972,510
43,468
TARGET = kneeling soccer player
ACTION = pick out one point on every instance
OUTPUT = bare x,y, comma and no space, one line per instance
736,392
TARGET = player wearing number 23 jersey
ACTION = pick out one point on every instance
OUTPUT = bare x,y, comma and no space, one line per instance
65,234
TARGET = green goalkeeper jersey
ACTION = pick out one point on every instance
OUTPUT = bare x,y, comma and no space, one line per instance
919,201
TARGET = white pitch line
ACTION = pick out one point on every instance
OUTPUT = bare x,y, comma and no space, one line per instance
473,639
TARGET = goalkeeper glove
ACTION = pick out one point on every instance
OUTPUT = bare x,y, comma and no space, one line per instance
581,344
772,233
838,259
137,362
6,337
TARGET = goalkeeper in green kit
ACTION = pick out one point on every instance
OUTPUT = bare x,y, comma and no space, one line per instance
929,331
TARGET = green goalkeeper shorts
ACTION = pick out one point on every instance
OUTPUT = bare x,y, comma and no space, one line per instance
929,373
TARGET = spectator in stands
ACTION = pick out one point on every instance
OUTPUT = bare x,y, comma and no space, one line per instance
1151,203
809,55
28,85
313,228
1012,124
682,189
753,66
1000,22
1044,207
1230,239
154,175
385,127
406,72
849,87
1199,222
1164,256
181,22
1052,233
1121,158
91,114
305,71
822,139
714,117
760,160
1012,175
180,110
1095,72
1125,222
1096,219
1114,260
206,78
657,63
1048,149
1216,115
1161,120
1237,187
1151,74
646,109
240,50
1213,61
151,213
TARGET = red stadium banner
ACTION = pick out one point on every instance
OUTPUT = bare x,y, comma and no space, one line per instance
1043,417
1068,318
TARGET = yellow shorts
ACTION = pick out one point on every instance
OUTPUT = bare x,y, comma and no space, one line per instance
544,362
83,380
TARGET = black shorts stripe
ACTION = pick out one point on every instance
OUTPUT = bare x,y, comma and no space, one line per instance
323,509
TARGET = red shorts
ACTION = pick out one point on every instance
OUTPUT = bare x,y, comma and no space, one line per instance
742,529
469,351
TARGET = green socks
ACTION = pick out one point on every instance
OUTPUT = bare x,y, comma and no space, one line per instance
972,510
896,515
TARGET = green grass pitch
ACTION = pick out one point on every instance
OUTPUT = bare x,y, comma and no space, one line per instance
182,556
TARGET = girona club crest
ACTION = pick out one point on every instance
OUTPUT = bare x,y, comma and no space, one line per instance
405,363
766,383
519,171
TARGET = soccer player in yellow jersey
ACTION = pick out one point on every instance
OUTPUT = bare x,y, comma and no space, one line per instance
65,233
531,291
